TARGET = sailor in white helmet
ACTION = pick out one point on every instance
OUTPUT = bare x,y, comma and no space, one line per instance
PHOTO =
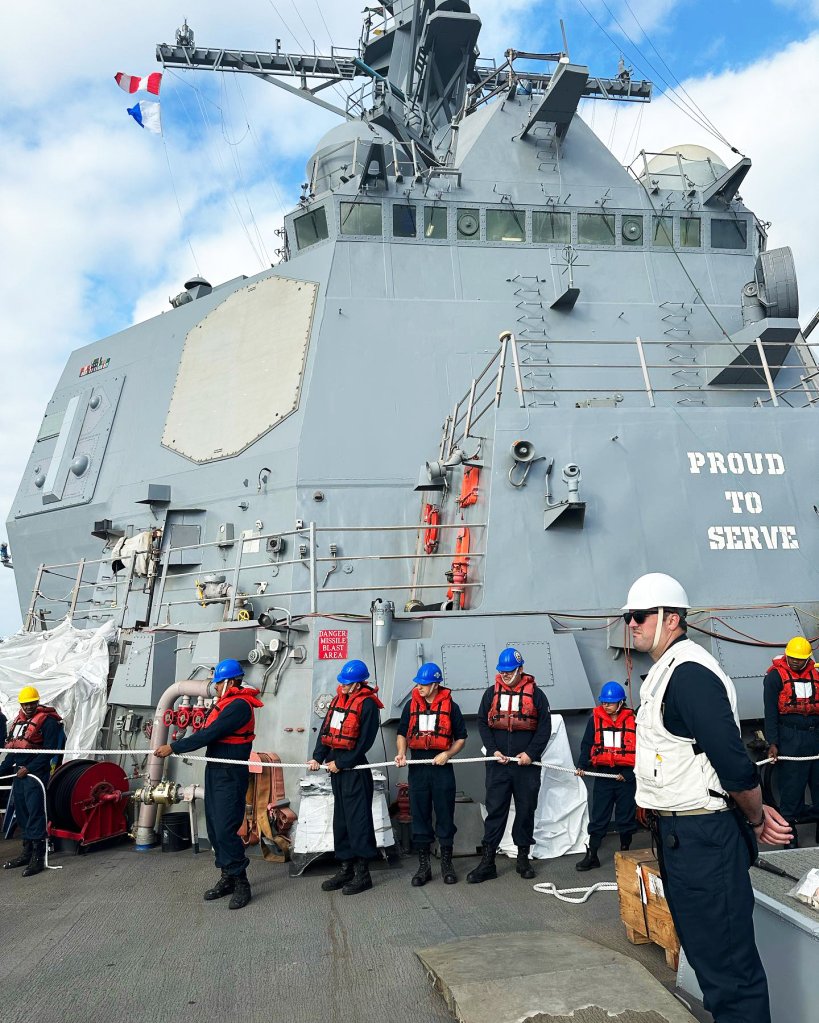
694,773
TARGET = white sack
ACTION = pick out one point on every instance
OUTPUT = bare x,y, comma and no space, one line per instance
69,668
314,830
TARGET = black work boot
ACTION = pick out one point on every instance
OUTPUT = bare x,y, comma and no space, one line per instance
343,876
590,860
224,886
241,892
21,860
424,871
485,870
361,882
37,862
625,842
447,870
523,866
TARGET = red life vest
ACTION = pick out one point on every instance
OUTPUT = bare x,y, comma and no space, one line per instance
430,724
615,739
247,733
342,723
513,707
800,689
27,733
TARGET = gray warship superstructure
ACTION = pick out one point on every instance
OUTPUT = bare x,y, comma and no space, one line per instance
495,377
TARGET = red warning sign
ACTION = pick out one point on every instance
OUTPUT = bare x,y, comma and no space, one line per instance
332,644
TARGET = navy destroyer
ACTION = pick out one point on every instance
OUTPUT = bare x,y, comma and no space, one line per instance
495,377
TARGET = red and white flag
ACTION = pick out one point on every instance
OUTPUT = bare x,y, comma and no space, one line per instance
150,83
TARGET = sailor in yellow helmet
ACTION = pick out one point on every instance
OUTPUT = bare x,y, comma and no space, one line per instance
36,727
791,692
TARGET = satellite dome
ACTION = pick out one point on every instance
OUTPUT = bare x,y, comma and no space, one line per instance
680,167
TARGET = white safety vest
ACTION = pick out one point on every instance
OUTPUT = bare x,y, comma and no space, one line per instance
670,775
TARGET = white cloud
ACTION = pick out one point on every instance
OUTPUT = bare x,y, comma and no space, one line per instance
92,236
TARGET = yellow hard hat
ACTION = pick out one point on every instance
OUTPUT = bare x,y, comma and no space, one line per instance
28,694
798,648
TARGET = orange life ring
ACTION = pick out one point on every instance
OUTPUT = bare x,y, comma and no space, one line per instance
432,517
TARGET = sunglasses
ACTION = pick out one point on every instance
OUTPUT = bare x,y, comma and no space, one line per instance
639,616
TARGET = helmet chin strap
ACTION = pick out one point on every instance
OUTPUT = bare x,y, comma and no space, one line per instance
657,630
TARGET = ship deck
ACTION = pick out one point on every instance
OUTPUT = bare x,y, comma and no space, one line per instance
118,934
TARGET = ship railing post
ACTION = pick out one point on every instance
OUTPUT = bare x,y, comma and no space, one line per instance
469,407
128,583
646,380
76,592
516,366
504,340
804,381
313,587
237,567
29,625
162,580
767,371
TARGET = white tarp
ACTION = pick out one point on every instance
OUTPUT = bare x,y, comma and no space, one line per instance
562,813
314,830
69,668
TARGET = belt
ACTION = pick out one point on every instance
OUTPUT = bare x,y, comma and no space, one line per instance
689,813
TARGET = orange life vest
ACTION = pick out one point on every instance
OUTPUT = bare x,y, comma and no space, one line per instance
342,724
615,739
430,724
247,733
800,689
27,733
513,707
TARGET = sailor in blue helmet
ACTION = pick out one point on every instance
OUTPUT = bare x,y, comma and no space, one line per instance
350,728
228,734
514,721
432,727
608,746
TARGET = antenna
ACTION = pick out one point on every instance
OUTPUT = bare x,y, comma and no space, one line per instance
565,41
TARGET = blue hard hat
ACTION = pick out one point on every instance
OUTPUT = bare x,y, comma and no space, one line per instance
509,659
229,668
353,671
428,674
612,692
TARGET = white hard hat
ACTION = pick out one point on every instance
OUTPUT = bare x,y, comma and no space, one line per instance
655,590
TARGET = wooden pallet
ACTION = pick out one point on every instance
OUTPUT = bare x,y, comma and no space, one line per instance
643,908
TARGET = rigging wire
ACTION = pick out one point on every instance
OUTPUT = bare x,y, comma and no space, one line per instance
185,230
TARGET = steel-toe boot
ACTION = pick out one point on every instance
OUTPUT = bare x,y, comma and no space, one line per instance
343,876
424,871
590,860
485,870
37,862
447,870
23,859
361,882
241,893
523,866
625,842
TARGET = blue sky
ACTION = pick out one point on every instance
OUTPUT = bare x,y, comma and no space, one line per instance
101,221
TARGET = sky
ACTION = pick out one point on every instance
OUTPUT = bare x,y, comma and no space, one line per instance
100,221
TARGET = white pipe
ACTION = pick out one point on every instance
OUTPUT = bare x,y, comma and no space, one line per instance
145,834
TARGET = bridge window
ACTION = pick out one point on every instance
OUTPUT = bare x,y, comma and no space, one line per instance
311,228
505,226
403,221
595,228
550,227
729,234
435,218
663,232
469,225
690,232
363,218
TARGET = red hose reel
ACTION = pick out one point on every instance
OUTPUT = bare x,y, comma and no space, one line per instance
87,801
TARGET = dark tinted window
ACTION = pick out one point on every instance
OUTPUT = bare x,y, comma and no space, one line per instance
403,221
311,228
729,234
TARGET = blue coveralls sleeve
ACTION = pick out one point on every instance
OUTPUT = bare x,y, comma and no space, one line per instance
3,729
586,743
542,734
771,688
697,706
39,763
487,738
458,724
403,724
230,719
370,722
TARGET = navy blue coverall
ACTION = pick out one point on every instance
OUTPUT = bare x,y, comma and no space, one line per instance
704,859
353,831
432,788
794,735
225,786
503,781
29,803
608,794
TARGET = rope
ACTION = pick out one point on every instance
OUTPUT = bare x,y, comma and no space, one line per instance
564,894
45,808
